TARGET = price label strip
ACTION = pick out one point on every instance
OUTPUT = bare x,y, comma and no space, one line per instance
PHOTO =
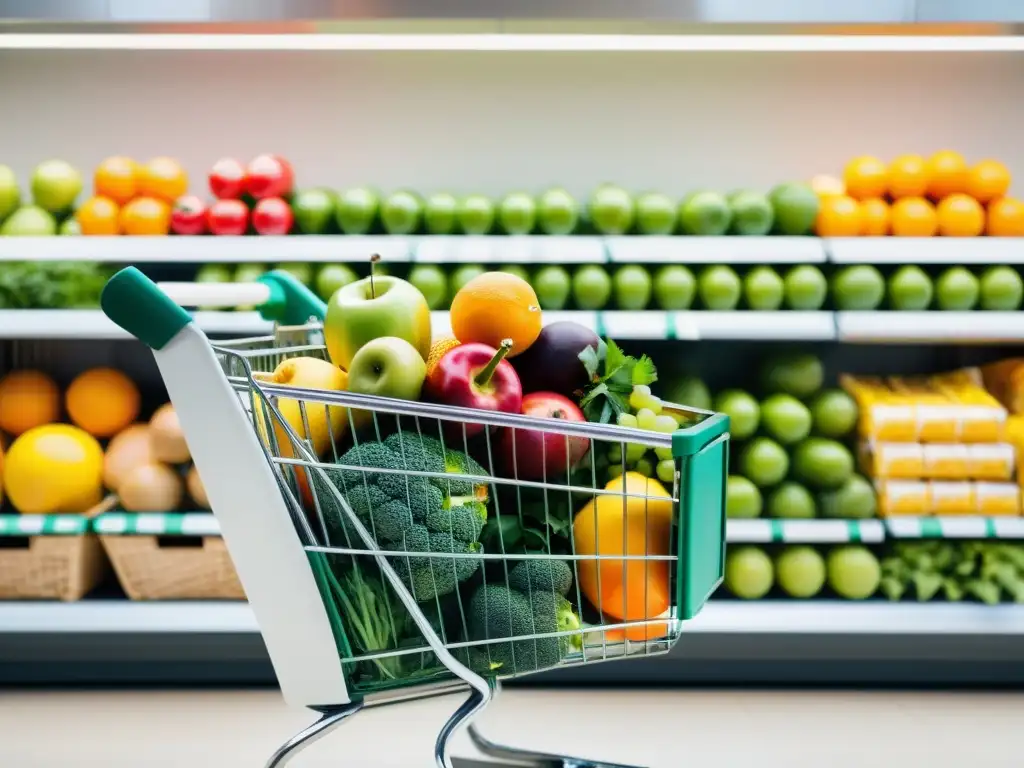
804,531
43,525
967,527
154,524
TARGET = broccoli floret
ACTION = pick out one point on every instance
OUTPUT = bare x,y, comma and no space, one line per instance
464,522
430,577
364,499
497,612
369,455
419,494
391,520
420,453
532,576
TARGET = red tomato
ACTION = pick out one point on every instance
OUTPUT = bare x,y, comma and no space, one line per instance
269,176
188,216
227,179
272,216
228,217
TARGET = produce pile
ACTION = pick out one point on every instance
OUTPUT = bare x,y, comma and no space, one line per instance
500,358
915,196
53,466
989,572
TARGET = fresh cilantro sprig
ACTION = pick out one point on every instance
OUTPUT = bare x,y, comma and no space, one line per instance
613,374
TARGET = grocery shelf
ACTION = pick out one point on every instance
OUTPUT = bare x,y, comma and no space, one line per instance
966,527
925,250
108,642
933,327
803,531
716,250
93,324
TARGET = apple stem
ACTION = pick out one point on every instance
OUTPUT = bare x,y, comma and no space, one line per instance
483,378
373,260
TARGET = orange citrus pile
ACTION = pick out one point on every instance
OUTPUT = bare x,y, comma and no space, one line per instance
918,196
132,199
496,306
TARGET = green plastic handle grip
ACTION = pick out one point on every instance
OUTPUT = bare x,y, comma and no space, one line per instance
290,302
136,304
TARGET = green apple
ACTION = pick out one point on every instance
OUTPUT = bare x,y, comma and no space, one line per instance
516,269
388,367
249,273
371,308
69,226
674,287
632,287
476,215
719,287
313,210
432,282
553,286
957,290
356,210
591,287
29,221
763,288
300,271
910,289
401,213
10,192
656,214
806,288
705,213
557,212
1001,289
439,213
517,214
611,210
461,276
55,186
332,277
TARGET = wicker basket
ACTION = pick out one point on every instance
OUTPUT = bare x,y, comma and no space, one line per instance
173,556
54,557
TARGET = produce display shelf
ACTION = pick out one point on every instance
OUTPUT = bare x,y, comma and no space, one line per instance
932,327
804,531
502,249
110,642
93,324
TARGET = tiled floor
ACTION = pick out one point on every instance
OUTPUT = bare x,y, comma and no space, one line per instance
691,729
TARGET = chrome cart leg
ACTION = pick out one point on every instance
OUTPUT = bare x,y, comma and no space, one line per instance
530,758
328,722
478,699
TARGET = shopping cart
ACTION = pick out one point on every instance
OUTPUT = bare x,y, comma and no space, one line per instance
354,615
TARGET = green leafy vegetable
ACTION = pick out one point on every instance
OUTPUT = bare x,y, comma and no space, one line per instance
51,285
613,374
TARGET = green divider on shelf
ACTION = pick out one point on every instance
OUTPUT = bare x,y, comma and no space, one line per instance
43,525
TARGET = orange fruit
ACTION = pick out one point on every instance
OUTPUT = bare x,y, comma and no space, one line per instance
495,306
988,180
865,177
163,178
54,468
827,186
913,217
874,217
28,399
102,401
960,216
908,177
1005,218
947,174
145,216
117,179
99,216
838,216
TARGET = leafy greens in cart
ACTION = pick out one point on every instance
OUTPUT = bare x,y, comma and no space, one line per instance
613,374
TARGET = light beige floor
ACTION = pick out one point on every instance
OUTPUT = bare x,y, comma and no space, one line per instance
691,729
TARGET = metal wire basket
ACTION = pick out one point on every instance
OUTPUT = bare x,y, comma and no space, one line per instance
446,546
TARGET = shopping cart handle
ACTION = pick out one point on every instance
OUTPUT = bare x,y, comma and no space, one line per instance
136,304
291,302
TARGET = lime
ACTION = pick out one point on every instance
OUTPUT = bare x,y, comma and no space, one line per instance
764,462
763,288
719,287
705,213
805,287
796,207
743,411
859,287
749,573
752,213
674,287
742,498
799,375
785,418
791,500
611,210
822,463
800,571
957,290
1001,289
910,289
853,572
853,500
655,214
834,413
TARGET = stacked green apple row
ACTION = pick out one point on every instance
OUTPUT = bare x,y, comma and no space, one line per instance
788,209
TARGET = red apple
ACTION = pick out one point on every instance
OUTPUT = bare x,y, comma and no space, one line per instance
228,217
227,179
530,454
188,216
272,216
269,176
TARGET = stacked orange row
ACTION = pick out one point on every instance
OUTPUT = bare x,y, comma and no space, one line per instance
914,196
131,198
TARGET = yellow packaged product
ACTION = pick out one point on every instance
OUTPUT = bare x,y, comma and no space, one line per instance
998,499
950,498
898,461
945,461
903,497
991,461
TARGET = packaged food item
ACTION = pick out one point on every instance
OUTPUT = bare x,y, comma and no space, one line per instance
992,461
897,461
903,497
997,499
947,498
939,461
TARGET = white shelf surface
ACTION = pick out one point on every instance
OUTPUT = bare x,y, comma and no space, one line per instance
93,324
726,616
938,327
716,250
925,250
803,531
